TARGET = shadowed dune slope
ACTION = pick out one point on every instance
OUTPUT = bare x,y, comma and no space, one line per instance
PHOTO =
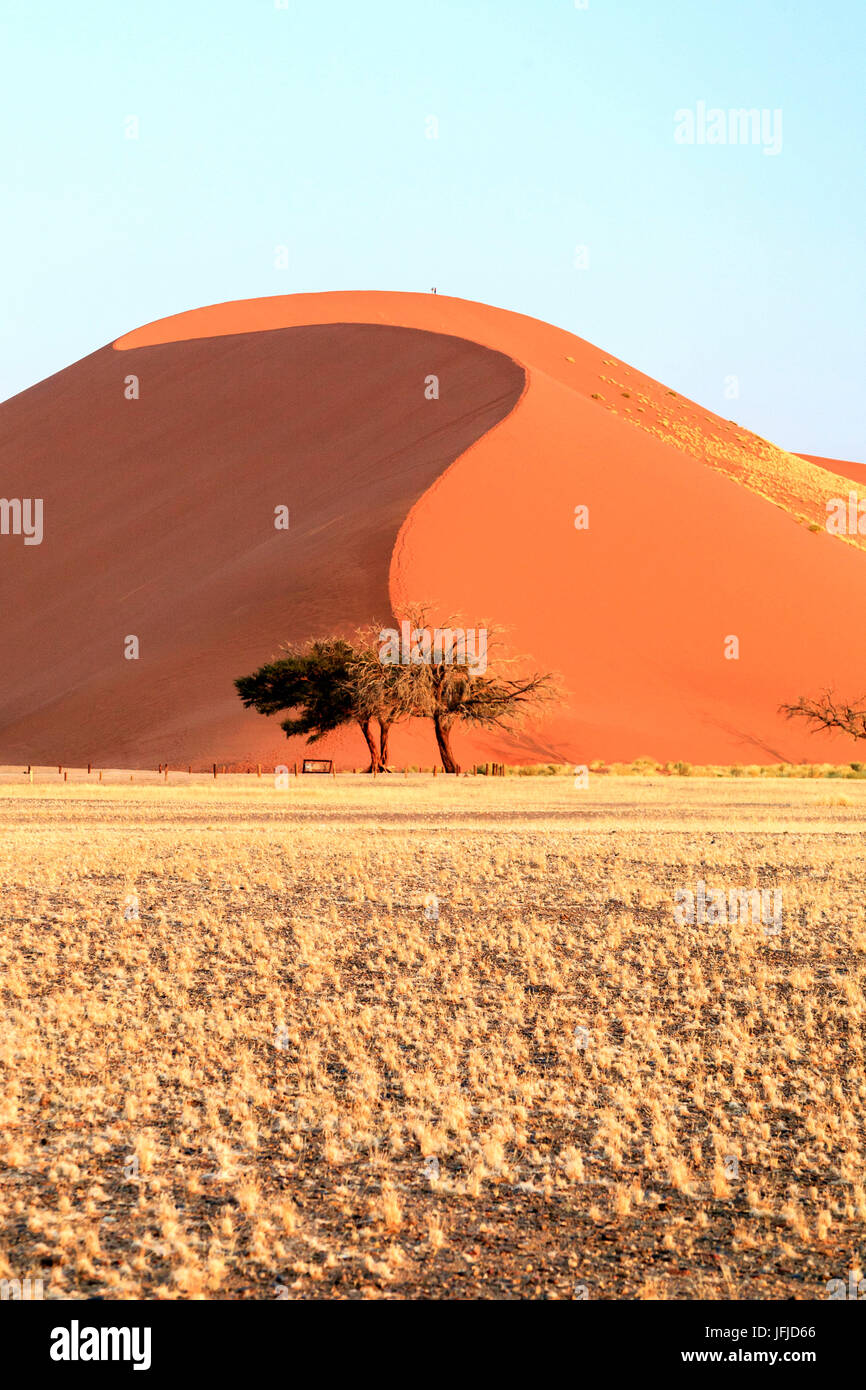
159,523
699,532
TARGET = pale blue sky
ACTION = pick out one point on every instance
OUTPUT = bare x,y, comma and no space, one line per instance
306,127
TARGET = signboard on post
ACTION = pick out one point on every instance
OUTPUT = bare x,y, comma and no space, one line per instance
318,765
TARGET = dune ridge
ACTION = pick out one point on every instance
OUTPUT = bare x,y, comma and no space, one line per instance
798,483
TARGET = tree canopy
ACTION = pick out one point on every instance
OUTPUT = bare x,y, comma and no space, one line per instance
316,680
331,682
828,711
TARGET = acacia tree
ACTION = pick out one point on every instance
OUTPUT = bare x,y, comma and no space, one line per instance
319,681
453,694
828,712
445,687
332,682
381,688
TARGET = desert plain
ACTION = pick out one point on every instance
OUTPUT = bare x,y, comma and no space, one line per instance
417,1038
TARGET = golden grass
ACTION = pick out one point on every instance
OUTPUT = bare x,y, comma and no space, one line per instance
796,485
241,1090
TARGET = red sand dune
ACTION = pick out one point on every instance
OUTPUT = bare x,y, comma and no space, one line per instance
844,467
159,523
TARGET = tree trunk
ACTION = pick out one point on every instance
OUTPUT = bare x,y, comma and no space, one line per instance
443,739
374,756
384,731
